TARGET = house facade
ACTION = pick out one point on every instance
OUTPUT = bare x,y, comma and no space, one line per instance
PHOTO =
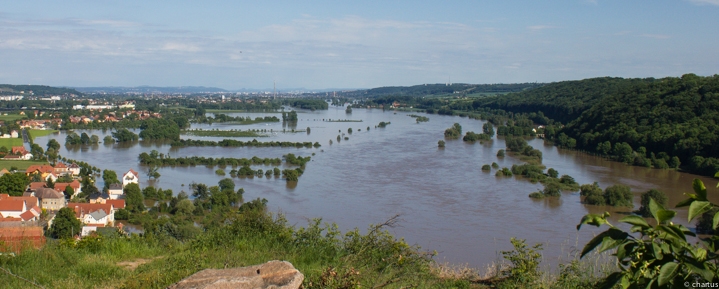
12,208
74,169
115,192
75,185
50,199
130,177
94,214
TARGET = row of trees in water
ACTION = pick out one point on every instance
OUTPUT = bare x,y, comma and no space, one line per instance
220,117
157,158
238,143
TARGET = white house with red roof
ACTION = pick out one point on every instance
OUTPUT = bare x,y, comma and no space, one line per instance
129,177
94,214
12,208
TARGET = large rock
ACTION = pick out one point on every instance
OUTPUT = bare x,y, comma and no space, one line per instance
271,275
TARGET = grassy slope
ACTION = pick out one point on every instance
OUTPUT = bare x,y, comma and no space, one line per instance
316,252
10,142
21,165
11,117
40,132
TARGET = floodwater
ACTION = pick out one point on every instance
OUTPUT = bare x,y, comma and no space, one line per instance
445,202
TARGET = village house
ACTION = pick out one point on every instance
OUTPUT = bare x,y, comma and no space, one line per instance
115,191
74,169
29,201
75,185
18,150
36,185
93,215
116,204
23,209
12,208
60,169
33,214
12,134
52,176
98,198
43,170
50,199
130,177
12,158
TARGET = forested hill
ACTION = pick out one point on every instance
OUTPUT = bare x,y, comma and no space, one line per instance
659,118
441,89
678,116
562,101
37,90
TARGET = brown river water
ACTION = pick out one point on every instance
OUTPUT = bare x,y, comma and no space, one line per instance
445,202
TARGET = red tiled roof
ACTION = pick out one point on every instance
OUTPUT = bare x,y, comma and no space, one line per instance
137,175
87,208
19,149
29,201
42,168
37,185
61,186
28,215
117,204
11,205
60,166
37,210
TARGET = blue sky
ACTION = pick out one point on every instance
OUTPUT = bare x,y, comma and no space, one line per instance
363,44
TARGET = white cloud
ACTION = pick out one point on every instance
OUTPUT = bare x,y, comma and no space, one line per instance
540,27
657,36
181,47
705,2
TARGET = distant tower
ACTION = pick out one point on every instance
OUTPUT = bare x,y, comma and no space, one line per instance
274,89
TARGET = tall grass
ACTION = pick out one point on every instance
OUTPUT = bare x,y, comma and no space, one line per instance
327,257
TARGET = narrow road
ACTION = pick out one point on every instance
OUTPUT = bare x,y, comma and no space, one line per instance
25,137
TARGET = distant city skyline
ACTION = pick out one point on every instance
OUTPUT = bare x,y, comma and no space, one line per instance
326,44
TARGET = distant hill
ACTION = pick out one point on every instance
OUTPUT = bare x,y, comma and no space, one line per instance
150,89
442,89
36,90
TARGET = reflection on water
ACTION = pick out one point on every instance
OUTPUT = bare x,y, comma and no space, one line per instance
447,203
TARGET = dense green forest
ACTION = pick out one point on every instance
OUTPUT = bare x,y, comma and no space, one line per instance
561,101
649,122
673,116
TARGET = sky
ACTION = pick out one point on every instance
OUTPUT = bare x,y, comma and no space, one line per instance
351,44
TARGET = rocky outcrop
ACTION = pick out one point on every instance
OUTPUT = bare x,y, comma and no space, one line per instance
271,275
